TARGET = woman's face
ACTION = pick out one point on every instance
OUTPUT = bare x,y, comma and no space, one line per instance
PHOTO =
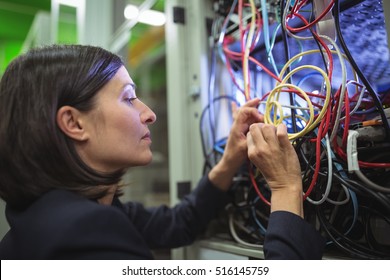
119,136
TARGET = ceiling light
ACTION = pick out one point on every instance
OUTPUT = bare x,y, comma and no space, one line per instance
150,17
71,3
131,12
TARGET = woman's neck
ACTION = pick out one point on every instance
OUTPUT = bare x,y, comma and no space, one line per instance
107,199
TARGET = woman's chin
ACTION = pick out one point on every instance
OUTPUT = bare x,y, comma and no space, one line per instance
147,160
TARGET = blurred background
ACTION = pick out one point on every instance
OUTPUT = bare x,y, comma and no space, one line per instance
115,25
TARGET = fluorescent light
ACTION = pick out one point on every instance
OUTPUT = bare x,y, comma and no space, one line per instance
131,12
150,17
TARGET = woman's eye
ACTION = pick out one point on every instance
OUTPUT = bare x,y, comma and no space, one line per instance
130,100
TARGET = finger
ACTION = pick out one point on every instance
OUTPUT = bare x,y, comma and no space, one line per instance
249,139
254,142
269,133
252,103
250,115
256,134
234,108
281,132
251,146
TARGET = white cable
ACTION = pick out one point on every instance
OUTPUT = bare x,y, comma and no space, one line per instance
346,200
370,183
236,237
293,107
284,25
353,164
357,103
343,85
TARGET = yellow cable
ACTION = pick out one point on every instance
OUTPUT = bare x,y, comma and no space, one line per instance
298,56
247,50
275,93
272,101
328,89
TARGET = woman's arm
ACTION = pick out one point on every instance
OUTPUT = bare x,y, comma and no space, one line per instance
274,156
288,235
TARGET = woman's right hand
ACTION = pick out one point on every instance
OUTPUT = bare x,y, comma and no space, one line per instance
270,150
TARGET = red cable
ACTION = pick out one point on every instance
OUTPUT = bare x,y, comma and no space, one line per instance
307,24
346,121
318,161
363,164
256,187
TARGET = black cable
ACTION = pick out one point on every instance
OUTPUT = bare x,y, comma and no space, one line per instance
310,162
287,55
385,123
383,200
372,242
342,242
345,244
355,247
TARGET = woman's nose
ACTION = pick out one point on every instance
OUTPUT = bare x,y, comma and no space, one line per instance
147,115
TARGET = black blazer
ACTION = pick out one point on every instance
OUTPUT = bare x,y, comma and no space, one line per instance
63,225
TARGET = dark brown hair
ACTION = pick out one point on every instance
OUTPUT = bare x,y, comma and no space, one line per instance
35,155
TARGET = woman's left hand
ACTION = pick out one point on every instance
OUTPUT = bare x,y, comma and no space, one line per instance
236,150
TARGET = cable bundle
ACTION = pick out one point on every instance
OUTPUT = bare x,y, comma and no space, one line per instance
337,122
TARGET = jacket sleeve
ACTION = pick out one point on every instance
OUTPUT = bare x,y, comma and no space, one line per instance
165,227
289,237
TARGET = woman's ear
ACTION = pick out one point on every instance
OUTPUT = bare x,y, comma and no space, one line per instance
70,121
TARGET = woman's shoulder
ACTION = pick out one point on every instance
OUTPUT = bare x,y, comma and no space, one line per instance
59,213
61,221
56,205
66,210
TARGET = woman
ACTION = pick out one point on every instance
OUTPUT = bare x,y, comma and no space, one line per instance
70,126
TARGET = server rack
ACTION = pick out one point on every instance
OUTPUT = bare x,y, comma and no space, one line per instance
354,215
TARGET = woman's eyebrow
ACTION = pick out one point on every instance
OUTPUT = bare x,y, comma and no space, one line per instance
128,86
